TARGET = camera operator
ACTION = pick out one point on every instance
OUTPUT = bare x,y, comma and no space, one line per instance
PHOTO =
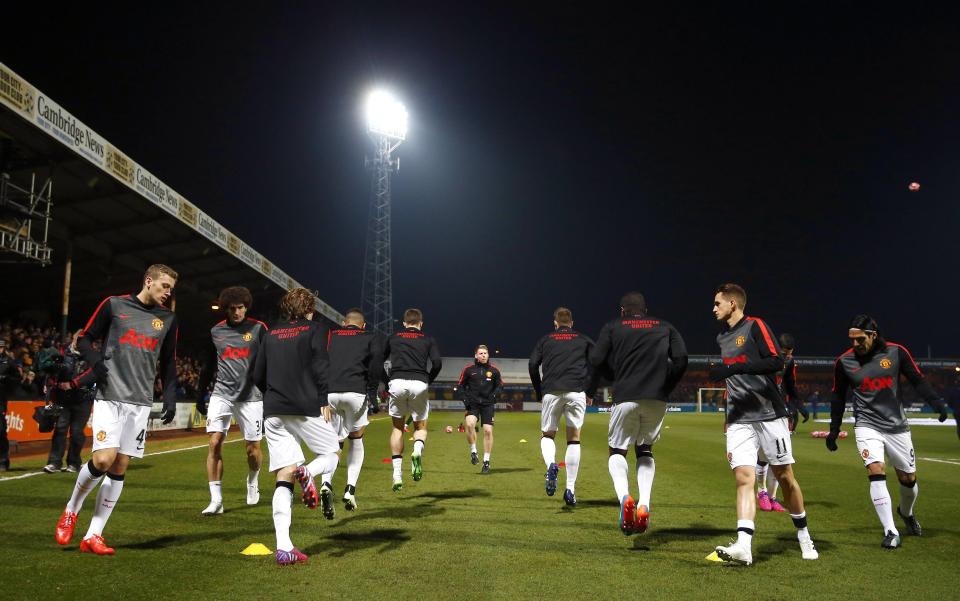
69,387
8,379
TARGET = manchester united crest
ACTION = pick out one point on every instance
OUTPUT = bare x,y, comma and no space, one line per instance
865,453
741,340
101,436
247,337
489,374
885,363
157,324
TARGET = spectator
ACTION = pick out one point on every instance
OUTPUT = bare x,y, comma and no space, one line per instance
77,403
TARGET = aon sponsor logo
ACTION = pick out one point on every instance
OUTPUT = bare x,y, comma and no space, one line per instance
236,353
873,384
140,341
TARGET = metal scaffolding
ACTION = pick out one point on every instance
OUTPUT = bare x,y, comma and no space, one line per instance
24,215
377,292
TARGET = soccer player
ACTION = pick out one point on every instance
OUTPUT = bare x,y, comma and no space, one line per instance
787,381
138,332
356,368
409,352
291,370
647,357
230,355
565,357
756,419
480,383
872,370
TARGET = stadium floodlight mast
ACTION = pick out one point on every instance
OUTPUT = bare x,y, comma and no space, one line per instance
387,127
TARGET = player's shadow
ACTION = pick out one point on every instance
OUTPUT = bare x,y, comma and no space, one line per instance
170,540
784,546
343,543
453,494
828,504
505,470
597,503
659,536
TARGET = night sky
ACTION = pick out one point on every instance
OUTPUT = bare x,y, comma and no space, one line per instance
556,156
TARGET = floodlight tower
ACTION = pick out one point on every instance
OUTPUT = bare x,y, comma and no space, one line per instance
387,126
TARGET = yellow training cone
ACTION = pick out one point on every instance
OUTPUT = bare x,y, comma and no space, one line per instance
523,440
257,549
713,557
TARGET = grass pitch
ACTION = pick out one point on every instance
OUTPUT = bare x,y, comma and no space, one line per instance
461,535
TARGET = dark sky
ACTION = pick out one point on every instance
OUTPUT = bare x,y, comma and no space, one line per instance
555,156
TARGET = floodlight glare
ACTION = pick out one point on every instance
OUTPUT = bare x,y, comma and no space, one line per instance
386,115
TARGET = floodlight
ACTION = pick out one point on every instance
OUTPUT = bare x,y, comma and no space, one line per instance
386,115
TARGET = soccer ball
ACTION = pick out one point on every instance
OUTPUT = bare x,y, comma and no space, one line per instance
914,187
449,429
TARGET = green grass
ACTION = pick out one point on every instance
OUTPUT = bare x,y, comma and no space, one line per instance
459,535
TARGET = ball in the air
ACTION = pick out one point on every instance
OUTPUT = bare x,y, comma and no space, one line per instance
449,429
914,187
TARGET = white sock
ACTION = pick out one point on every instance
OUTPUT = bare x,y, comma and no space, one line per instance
617,465
324,464
473,447
253,477
572,459
418,447
397,468
881,502
761,478
745,532
107,498
908,497
548,448
354,460
486,457
216,493
646,469
773,485
282,515
86,482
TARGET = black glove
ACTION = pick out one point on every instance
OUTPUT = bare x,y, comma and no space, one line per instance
943,413
202,405
374,403
167,416
832,440
100,368
806,416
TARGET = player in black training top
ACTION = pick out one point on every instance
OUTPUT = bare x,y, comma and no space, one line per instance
647,357
564,355
479,385
871,371
291,370
414,364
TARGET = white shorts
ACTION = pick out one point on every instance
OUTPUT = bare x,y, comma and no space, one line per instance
409,397
635,423
571,405
120,426
746,441
351,408
285,433
249,416
899,448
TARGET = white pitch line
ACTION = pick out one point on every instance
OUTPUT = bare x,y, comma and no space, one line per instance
202,446
941,460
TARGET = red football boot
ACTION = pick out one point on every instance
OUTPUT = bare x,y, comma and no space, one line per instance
68,521
95,544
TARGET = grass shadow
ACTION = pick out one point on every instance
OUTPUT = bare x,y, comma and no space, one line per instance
341,544
170,540
453,494
505,470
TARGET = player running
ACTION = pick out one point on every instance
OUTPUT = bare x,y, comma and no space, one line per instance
872,370
409,352
647,357
291,370
787,381
356,368
229,358
480,383
564,355
138,333
756,419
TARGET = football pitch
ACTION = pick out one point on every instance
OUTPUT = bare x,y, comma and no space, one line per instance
461,535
